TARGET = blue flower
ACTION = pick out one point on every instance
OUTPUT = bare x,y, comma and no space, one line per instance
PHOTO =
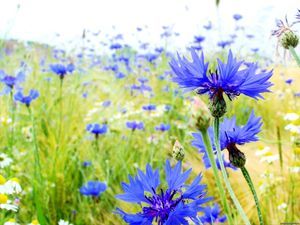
149,107
93,188
199,39
229,77
223,44
86,163
133,125
231,135
115,46
212,215
163,127
173,206
33,94
62,70
97,129
289,81
11,81
237,17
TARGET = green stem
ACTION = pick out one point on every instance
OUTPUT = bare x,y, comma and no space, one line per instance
213,164
295,55
224,173
11,142
251,186
37,181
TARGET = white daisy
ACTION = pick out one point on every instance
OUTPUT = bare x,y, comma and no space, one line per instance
63,222
291,116
5,203
4,160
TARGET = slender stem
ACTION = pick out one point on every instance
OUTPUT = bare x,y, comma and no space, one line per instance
279,146
251,186
38,180
11,142
295,55
213,164
224,173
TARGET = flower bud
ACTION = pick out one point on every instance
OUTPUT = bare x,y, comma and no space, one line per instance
178,151
289,39
236,157
217,105
201,115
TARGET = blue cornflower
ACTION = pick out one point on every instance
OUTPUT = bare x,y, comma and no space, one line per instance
229,79
289,81
173,206
149,107
106,103
133,125
115,46
33,94
93,188
231,135
62,70
11,81
223,44
237,17
97,129
86,163
208,26
199,39
298,16
212,215
163,127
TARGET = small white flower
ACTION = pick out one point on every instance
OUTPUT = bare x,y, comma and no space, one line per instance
292,128
63,222
282,207
263,151
291,116
270,158
295,169
8,206
4,160
12,187
11,222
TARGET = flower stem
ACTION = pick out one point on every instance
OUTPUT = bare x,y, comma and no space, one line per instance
213,164
251,186
224,173
38,180
295,55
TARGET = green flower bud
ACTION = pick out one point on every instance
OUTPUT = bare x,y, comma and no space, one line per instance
289,39
178,151
217,105
201,115
236,157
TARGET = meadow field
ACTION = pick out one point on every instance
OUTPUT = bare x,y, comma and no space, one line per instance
74,124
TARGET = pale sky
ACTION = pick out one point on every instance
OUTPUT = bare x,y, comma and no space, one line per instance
40,19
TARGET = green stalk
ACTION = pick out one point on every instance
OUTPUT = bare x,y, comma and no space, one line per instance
295,55
224,173
11,141
251,186
279,147
38,181
213,164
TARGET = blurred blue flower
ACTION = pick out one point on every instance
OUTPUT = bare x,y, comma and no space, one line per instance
149,107
115,46
176,205
237,17
86,163
33,94
133,125
199,39
106,103
163,127
223,44
96,129
212,215
289,81
11,81
229,78
62,70
93,188
208,26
